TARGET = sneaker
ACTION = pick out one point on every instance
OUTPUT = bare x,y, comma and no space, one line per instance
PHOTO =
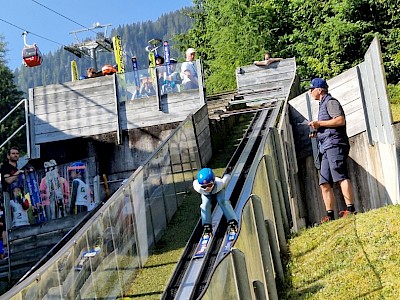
345,213
326,219
207,229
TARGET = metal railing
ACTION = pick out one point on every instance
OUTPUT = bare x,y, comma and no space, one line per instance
26,124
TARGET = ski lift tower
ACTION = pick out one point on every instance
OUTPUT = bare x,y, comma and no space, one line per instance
102,43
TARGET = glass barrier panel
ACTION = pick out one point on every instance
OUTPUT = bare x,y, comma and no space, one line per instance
143,224
143,83
103,258
154,192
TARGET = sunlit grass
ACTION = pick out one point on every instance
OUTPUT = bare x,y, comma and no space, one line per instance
395,112
353,258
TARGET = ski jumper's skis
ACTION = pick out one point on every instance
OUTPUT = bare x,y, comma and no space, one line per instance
203,245
32,185
86,256
231,235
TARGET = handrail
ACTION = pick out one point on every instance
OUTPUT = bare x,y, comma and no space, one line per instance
26,124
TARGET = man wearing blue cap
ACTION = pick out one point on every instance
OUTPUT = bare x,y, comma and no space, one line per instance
334,146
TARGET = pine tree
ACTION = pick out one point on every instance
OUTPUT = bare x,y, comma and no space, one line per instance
9,97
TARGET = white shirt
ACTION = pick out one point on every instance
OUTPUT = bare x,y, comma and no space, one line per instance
20,216
81,193
188,66
219,184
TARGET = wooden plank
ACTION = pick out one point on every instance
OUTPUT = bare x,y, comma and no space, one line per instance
78,103
54,225
75,133
75,117
34,242
73,86
77,125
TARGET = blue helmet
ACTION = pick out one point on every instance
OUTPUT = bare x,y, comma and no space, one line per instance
205,176
78,167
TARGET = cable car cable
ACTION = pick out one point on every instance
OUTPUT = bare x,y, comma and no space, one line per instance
30,32
52,10
38,35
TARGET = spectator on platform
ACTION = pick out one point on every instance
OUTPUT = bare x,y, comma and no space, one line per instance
91,72
9,170
173,80
267,60
189,71
79,196
146,86
19,206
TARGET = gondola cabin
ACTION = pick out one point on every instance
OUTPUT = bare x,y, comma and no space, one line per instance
31,56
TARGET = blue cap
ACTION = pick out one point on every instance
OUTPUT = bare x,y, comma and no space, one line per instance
318,83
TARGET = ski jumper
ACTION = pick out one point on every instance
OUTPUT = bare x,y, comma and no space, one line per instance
218,193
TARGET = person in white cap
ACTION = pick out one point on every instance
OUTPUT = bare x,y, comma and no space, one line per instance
189,71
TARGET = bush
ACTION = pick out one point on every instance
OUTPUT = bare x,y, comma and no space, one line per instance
394,93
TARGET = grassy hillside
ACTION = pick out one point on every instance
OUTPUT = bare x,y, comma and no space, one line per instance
357,257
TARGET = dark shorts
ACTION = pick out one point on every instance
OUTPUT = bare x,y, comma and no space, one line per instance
333,165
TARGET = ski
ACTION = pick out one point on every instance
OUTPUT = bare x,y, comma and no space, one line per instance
119,58
86,256
118,53
74,70
230,239
203,245
136,74
32,184
167,56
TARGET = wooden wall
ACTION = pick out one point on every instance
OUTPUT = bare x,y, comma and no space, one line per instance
92,107
373,160
346,89
272,82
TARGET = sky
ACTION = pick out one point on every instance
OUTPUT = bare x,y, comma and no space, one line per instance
54,29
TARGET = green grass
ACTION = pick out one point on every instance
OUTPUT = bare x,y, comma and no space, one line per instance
357,257
353,258
394,96
151,281
395,112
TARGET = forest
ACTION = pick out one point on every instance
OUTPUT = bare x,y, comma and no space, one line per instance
325,37
56,67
